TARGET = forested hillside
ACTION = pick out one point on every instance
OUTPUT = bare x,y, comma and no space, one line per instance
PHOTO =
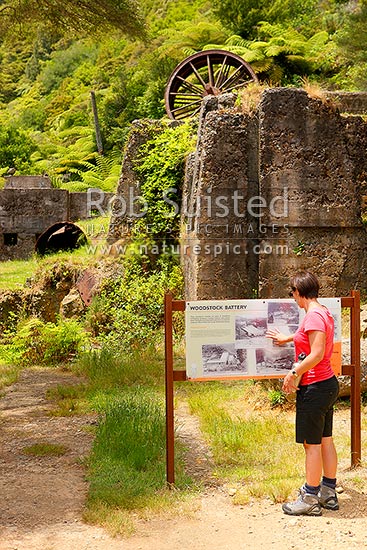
53,55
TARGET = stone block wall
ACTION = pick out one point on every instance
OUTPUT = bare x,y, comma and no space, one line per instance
300,167
29,205
218,261
319,158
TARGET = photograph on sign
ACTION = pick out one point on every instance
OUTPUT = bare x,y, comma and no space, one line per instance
227,339
222,358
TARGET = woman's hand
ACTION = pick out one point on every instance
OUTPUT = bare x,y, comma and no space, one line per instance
289,385
278,337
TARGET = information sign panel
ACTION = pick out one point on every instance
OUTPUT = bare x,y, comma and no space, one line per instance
225,339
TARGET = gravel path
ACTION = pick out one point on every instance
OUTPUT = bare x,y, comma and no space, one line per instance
42,498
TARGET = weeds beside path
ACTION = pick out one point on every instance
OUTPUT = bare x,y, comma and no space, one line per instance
42,497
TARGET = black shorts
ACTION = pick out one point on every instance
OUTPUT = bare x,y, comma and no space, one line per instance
314,411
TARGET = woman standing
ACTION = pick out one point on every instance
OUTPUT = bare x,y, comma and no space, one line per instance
316,394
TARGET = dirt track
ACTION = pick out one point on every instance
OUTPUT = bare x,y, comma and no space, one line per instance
42,498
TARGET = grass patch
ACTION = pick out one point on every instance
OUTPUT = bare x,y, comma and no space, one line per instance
14,273
114,519
253,445
69,400
8,374
96,228
45,449
126,468
127,463
106,369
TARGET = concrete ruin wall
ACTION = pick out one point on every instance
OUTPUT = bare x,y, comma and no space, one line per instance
300,169
29,205
218,261
25,214
320,156
95,202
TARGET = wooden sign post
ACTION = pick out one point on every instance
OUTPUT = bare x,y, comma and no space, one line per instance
353,370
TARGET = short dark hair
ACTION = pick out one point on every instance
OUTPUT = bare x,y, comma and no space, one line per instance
306,283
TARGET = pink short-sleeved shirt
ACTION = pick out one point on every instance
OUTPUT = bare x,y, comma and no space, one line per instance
322,320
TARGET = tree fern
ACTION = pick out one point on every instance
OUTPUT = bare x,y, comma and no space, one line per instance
94,171
237,40
189,38
282,53
317,41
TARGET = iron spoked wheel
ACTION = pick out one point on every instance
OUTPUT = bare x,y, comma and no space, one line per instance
211,72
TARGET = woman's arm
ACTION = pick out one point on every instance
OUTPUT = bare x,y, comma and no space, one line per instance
317,340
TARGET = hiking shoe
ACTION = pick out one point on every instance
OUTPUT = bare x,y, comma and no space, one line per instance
328,498
305,505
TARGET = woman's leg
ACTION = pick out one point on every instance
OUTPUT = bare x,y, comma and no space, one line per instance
314,460
328,498
329,457
307,503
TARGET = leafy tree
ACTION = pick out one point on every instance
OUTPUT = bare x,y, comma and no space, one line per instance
62,63
84,16
42,47
15,149
307,16
13,59
352,40
165,14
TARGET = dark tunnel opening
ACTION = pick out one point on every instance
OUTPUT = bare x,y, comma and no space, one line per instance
60,236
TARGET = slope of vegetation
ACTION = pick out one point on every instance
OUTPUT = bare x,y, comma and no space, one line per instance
50,68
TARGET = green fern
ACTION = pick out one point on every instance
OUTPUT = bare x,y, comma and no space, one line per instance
236,40
280,52
93,171
317,42
189,37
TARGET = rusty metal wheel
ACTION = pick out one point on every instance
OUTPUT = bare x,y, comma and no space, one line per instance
211,72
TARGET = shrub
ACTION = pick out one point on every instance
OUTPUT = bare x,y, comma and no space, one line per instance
276,397
135,302
161,168
37,342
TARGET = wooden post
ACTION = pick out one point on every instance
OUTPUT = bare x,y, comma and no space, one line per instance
170,429
355,385
96,123
171,376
